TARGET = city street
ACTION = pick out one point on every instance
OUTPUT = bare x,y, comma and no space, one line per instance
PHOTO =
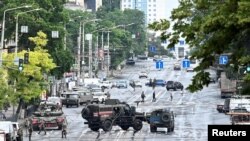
193,111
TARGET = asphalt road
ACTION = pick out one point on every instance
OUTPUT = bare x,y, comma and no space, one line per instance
194,111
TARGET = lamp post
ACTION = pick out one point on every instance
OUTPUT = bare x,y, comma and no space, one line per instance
17,28
108,43
83,48
3,29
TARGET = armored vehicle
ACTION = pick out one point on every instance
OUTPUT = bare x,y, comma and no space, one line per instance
161,118
71,98
50,114
113,113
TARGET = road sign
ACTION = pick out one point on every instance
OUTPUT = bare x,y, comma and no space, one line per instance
223,59
159,64
152,48
186,63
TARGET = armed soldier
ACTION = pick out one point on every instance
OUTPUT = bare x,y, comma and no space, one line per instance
42,127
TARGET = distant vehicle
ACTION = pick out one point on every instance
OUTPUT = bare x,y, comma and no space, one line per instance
136,83
227,86
142,57
55,100
105,84
174,85
71,99
158,82
85,96
130,62
143,74
190,69
177,66
161,118
121,84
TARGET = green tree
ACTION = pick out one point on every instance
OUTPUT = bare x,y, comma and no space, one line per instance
27,83
211,28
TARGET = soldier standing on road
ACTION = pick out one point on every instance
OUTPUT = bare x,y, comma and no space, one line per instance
42,127
171,96
64,131
142,96
30,132
154,83
154,97
108,95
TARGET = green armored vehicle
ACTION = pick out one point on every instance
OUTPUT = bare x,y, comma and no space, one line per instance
161,118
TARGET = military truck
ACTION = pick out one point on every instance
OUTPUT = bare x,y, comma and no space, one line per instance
227,86
161,118
112,114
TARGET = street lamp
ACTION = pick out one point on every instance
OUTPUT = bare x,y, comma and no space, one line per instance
122,25
3,29
83,49
17,27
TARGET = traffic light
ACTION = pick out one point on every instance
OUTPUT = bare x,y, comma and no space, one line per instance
26,58
20,65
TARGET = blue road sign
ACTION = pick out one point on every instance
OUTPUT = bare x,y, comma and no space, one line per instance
152,48
223,59
182,42
186,63
159,64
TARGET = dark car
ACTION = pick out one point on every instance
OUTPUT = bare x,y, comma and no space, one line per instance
158,82
130,62
174,85
161,118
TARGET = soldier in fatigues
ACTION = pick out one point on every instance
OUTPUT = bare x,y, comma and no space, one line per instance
30,132
42,127
64,131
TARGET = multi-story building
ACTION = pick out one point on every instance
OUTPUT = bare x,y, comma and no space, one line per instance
154,10
85,5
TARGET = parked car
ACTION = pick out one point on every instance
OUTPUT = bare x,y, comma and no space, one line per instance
177,66
143,74
130,62
55,100
135,83
121,84
174,85
190,69
158,82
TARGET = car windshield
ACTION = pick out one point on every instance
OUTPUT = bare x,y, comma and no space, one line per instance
72,96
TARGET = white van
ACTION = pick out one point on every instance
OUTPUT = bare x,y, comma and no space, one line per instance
8,129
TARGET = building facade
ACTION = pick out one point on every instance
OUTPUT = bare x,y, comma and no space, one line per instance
85,5
154,10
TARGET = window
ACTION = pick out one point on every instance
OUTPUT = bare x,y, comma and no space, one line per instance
124,5
154,14
149,9
129,5
154,5
154,0
149,5
149,0
129,0
124,0
149,15
154,9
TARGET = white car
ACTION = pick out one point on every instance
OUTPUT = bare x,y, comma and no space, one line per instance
138,84
99,97
190,69
106,84
143,74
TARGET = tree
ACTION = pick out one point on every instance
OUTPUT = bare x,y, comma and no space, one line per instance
27,83
211,28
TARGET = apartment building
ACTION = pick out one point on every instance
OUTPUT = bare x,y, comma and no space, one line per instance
85,5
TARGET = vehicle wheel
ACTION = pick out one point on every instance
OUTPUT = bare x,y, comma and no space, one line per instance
94,128
153,128
165,117
67,106
167,89
81,103
85,112
171,129
174,89
107,125
137,125
124,127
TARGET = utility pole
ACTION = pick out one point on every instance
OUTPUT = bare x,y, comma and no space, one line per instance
108,57
96,55
83,53
89,38
103,52
79,53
